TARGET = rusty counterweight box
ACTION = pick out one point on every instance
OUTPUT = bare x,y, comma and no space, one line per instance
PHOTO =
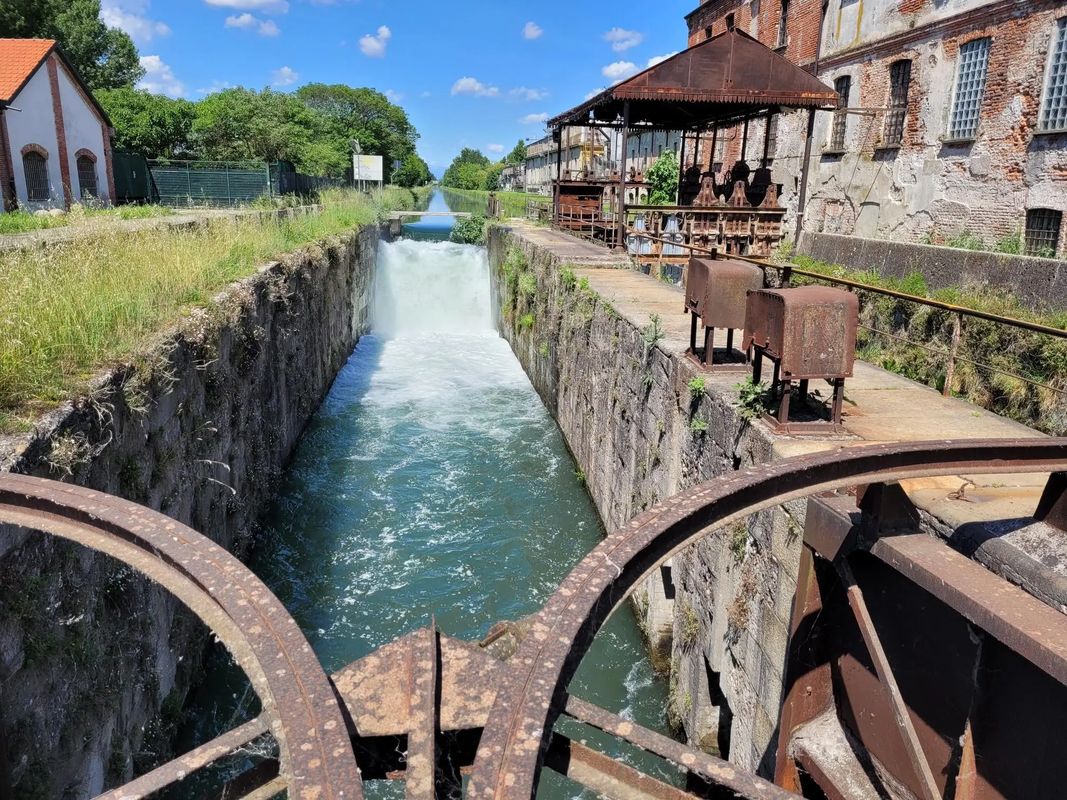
717,289
810,331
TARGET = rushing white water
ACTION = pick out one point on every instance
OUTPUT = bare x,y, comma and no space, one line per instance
433,482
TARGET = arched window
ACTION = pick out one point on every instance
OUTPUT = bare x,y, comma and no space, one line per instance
87,175
35,165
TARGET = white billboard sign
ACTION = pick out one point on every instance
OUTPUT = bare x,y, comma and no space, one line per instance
367,168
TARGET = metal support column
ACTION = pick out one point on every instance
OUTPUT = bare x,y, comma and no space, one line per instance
804,168
620,201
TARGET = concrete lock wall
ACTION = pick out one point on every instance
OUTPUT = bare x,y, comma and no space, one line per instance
95,661
716,617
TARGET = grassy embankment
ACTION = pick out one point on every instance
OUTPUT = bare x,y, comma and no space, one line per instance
514,202
25,222
1007,353
71,310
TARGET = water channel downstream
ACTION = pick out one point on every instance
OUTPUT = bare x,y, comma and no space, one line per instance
432,482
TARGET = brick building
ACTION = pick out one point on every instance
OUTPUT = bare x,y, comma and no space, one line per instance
954,121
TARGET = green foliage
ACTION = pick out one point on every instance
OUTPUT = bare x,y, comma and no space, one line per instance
697,387
579,473
492,176
23,222
662,180
689,629
1012,244
544,350
104,57
151,124
528,284
567,278
750,399
698,426
965,240
469,230
517,154
652,333
739,541
527,321
469,170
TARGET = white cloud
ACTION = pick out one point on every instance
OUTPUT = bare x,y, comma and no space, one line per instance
131,16
426,94
660,59
475,87
394,97
522,93
594,93
495,148
286,76
246,21
216,86
373,46
622,39
533,119
531,31
263,6
159,78
619,70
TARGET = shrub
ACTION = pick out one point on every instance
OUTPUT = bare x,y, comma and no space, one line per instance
469,230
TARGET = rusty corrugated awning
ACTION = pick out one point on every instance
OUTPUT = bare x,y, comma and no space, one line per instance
721,78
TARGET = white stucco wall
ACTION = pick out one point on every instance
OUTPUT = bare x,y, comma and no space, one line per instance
83,128
34,123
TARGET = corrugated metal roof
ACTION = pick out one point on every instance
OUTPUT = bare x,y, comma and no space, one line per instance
19,59
712,79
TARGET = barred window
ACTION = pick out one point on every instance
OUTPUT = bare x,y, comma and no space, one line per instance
783,21
1043,231
970,86
36,168
87,177
899,83
842,86
771,143
1054,105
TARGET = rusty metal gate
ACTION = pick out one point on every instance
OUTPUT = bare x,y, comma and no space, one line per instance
430,709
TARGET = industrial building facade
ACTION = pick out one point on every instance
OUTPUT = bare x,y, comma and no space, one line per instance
953,124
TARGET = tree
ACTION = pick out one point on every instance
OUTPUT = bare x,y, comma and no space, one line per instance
492,176
106,58
366,115
517,154
662,180
150,124
413,172
265,126
468,170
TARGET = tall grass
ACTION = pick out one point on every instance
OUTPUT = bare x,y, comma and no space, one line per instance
25,222
68,311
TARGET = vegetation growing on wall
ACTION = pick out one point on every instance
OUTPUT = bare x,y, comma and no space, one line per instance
662,180
999,365
469,230
67,311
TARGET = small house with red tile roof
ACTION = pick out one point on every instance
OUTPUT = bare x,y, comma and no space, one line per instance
55,139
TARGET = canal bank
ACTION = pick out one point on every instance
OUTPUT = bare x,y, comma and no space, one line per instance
604,347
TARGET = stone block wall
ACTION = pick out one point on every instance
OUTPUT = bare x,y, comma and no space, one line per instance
95,661
716,616
1040,283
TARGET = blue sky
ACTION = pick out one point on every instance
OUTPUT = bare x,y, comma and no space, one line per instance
479,73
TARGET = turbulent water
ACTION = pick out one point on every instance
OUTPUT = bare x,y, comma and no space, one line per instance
433,483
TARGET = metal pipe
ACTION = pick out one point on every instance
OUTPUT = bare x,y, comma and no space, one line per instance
804,169
559,167
620,204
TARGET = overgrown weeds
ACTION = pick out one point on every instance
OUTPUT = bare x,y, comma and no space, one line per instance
68,311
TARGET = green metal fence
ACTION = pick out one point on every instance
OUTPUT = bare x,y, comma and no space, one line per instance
210,183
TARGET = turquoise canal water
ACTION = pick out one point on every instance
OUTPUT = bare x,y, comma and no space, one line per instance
434,483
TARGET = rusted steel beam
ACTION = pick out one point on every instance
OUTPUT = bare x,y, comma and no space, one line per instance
266,642
882,668
421,769
715,770
1023,623
182,767
609,778
514,742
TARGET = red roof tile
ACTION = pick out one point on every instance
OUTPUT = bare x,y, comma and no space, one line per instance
19,58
